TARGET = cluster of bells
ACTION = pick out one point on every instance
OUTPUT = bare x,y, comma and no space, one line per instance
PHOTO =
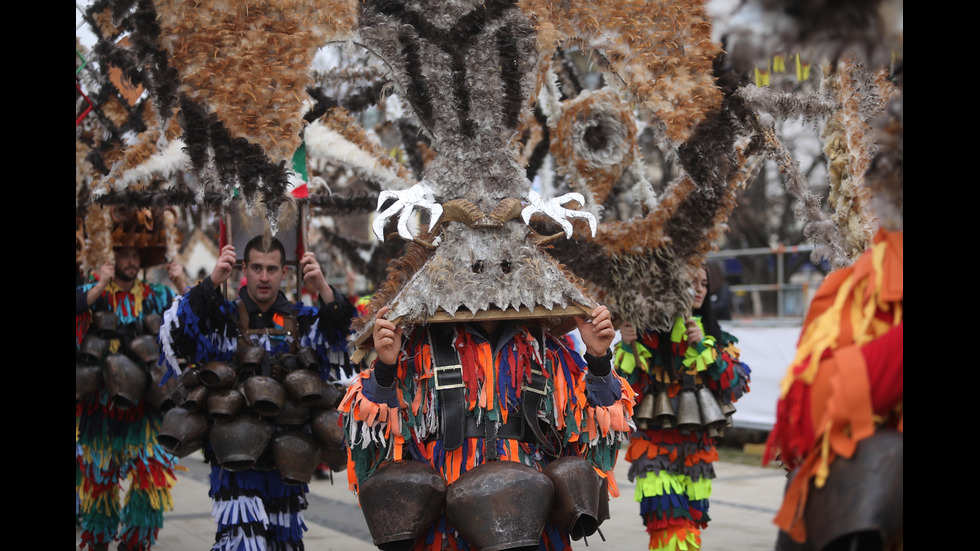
286,420
495,505
122,361
697,410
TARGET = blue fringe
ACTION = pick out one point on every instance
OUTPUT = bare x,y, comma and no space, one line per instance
663,505
277,497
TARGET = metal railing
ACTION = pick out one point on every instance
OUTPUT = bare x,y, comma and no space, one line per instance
783,290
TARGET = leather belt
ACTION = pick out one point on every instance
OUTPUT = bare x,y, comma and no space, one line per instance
448,378
531,396
513,429
454,425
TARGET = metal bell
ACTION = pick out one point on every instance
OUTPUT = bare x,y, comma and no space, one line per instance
306,359
174,399
336,460
225,404
711,414
217,375
190,378
157,394
124,380
145,349
862,495
728,409
265,395
196,399
105,321
645,414
304,385
238,443
93,349
688,413
88,380
327,430
500,505
663,413
296,454
400,500
292,414
182,432
332,395
577,496
250,358
152,323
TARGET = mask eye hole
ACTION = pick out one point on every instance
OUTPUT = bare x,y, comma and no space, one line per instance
505,266
477,266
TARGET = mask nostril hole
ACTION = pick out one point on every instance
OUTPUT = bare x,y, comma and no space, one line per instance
477,266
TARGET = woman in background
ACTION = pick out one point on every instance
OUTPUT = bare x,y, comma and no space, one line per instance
672,463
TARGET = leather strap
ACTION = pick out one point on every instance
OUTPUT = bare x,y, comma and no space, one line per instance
513,429
448,377
290,323
454,425
532,393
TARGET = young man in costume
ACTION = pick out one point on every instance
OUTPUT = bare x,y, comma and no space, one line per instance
118,426
259,506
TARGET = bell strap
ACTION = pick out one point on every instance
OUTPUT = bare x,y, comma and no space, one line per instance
513,429
447,374
532,392
289,326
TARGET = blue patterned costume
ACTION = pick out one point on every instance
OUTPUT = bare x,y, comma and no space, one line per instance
255,509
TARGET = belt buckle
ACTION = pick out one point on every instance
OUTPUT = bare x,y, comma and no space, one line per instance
542,391
457,368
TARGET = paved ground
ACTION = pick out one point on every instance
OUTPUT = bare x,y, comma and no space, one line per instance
744,501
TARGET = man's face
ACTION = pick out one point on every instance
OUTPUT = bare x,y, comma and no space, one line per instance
264,273
127,263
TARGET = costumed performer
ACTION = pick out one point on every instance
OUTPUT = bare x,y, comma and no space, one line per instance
672,455
116,320
522,396
266,348
840,417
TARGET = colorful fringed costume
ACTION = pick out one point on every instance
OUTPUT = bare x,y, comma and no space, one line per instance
255,508
581,414
673,469
117,444
846,382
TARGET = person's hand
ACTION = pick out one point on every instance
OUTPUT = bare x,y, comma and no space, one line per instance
694,334
106,272
176,274
628,332
597,334
224,265
387,338
313,278
351,277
